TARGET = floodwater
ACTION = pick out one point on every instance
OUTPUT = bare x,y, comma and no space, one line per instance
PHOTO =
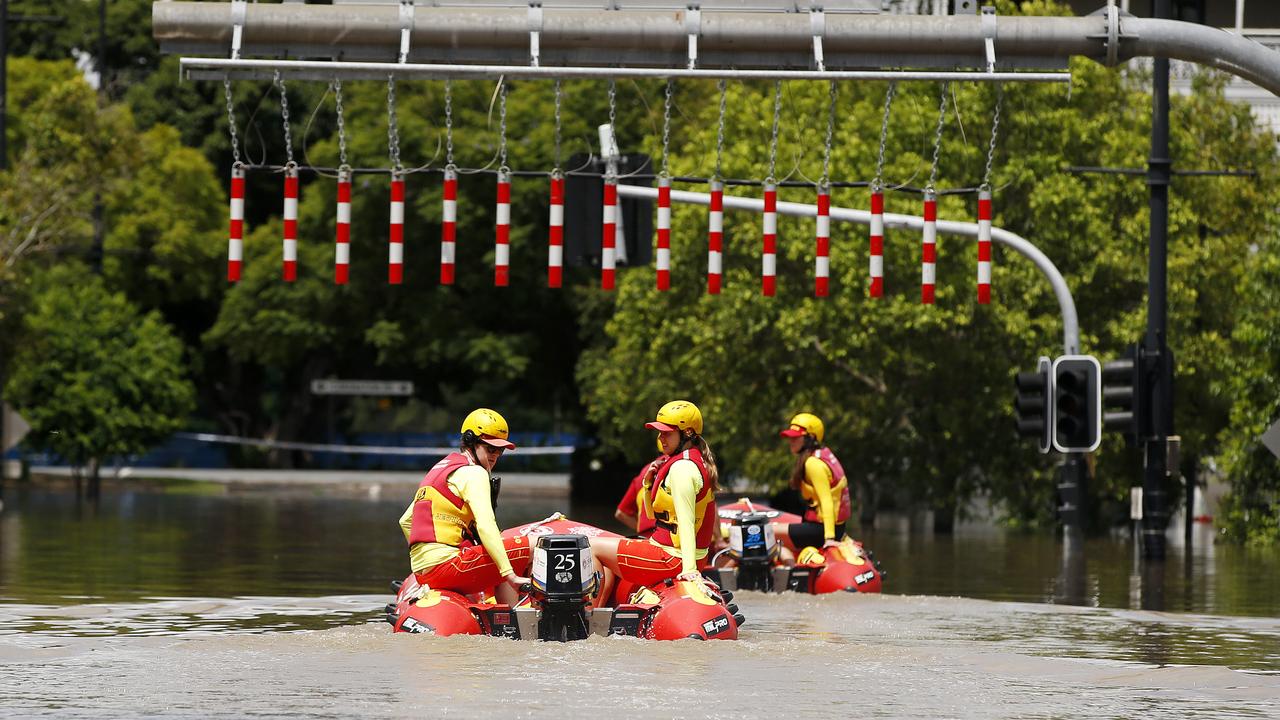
198,601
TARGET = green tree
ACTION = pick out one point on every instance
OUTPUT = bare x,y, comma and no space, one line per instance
918,398
95,378
462,345
1252,510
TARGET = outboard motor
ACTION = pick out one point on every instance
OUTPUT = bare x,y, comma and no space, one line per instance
751,540
563,578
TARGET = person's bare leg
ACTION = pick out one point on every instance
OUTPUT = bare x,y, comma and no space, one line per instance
604,593
505,594
785,556
780,532
605,550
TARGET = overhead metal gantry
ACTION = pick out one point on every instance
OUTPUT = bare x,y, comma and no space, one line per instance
711,39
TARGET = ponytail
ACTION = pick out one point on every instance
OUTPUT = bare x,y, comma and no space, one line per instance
806,452
708,461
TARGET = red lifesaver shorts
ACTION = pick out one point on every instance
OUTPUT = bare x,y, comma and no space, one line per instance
646,563
472,570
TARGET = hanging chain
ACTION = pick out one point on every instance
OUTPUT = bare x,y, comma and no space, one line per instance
448,124
557,115
342,124
831,130
878,183
502,126
720,128
773,140
231,122
937,138
611,166
284,115
666,132
393,131
991,149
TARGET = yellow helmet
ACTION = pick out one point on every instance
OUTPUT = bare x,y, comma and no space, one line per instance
805,423
678,415
488,427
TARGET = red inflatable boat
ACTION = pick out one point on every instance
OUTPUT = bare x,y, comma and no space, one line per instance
752,558
570,599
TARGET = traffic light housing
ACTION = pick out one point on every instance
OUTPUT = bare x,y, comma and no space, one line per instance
1033,404
1077,403
584,211
1123,395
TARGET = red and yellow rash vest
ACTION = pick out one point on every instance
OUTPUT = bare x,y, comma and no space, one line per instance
435,497
826,489
451,510
684,509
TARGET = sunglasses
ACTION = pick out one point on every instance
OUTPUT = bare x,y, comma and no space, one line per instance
493,450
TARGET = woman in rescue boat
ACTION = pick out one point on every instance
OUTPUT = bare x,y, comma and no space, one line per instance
821,481
454,541
678,491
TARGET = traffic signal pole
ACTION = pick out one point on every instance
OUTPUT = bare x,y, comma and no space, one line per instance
1157,360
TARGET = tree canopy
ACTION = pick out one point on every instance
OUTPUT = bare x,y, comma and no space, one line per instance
93,376
916,399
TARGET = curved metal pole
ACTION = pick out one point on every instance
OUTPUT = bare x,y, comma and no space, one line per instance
1203,45
725,39
1066,305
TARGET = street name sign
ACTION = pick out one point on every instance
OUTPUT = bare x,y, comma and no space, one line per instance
362,387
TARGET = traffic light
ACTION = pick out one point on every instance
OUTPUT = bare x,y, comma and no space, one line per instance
1034,403
1077,403
584,212
1122,395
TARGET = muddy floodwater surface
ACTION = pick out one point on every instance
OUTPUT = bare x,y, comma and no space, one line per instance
191,600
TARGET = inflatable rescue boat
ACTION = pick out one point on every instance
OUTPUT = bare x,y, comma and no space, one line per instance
570,599
752,560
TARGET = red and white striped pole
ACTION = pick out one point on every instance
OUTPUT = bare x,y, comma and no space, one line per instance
395,245
449,226
984,247
664,232
342,243
877,243
929,247
555,243
822,259
769,262
715,237
290,222
235,234
609,239
502,240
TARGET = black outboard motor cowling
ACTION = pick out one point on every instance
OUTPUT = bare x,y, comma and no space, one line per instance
563,578
751,540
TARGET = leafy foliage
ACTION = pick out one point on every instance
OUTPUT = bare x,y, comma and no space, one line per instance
94,377
916,400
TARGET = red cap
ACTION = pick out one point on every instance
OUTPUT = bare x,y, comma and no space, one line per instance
497,442
655,425
793,431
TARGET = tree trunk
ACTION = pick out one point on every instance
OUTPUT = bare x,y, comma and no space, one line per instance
867,501
297,411
95,480
944,517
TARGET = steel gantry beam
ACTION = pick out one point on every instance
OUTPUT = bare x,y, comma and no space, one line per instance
725,39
